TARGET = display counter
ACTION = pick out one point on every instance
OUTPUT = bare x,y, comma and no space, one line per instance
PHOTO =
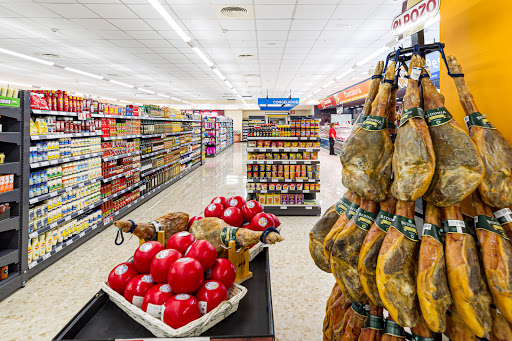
101,319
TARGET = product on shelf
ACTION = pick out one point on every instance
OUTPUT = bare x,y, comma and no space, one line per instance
296,128
64,147
280,172
6,182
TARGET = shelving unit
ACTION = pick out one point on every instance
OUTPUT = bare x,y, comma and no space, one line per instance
283,171
218,134
247,125
106,196
12,235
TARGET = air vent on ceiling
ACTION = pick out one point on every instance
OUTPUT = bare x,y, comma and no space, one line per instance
49,55
234,11
245,55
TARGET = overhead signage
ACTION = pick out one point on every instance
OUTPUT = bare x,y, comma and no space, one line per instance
277,104
353,93
414,16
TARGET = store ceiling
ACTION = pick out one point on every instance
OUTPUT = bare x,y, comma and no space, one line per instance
292,44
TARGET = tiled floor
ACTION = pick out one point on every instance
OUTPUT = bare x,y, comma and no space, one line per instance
299,289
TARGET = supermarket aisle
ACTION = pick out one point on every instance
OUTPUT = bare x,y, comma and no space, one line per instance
49,300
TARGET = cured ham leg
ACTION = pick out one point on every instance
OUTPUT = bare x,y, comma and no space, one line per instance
346,248
459,168
340,223
350,327
422,331
393,331
433,292
501,329
371,247
493,148
496,252
171,223
468,288
366,156
336,309
456,329
317,236
373,325
414,159
391,111
397,265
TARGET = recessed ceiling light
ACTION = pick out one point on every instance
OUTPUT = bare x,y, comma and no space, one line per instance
49,55
245,55
271,44
234,11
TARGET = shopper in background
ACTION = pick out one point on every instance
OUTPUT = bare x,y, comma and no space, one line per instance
332,138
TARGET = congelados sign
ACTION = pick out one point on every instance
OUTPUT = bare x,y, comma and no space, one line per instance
413,18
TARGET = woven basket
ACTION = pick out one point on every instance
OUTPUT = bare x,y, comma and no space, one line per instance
195,328
258,248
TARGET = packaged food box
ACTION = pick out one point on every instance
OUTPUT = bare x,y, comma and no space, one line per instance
284,199
260,143
277,156
262,199
298,186
302,144
252,144
274,168
271,186
249,168
269,199
268,156
273,144
287,144
275,175
292,187
258,186
284,156
299,199
268,168
291,199
317,186
280,144
267,144
285,186
279,186
264,186
277,199
306,187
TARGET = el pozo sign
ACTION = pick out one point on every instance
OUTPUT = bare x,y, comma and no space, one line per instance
413,18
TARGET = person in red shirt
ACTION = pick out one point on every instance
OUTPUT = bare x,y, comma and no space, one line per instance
332,138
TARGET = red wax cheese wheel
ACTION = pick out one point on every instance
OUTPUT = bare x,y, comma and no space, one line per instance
220,200
137,288
161,264
144,255
213,210
192,220
155,299
277,223
204,252
185,276
223,271
236,201
180,310
261,221
210,295
233,216
181,241
120,276
251,209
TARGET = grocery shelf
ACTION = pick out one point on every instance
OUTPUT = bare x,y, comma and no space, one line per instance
10,168
282,180
61,136
62,190
9,137
64,160
11,112
157,169
121,175
283,191
112,138
295,210
9,224
162,135
189,159
8,256
10,196
160,152
115,157
278,138
154,118
282,162
54,113
10,284
282,150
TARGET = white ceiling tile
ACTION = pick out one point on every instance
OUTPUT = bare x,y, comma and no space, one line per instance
273,24
140,35
113,34
299,43
272,35
360,11
33,10
303,35
145,11
387,12
127,43
198,12
314,11
237,44
306,25
95,24
240,35
322,2
130,24
208,35
343,25
156,43
273,11
237,25
112,11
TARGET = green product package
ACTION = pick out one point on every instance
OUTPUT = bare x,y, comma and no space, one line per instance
490,224
374,322
375,123
364,219
477,119
394,329
384,220
351,210
437,117
406,226
503,216
456,226
9,102
342,205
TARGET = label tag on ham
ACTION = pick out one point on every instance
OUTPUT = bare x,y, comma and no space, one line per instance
456,226
406,226
437,117
364,219
415,73
359,308
373,322
394,329
384,220
361,119
375,123
157,225
477,119
434,231
490,224
503,216
342,205
415,337
351,210
228,234
410,113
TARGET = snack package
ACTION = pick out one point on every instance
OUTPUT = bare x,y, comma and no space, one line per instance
291,199
268,168
285,186
317,187
264,186
267,144
251,144
274,175
271,186
258,186
280,144
261,199
287,144
261,156
284,199
292,187
260,144
299,186
273,144
277,199
299,199
268,156
306,187
269,199
284,156
279,186
277,156
286,175
249,167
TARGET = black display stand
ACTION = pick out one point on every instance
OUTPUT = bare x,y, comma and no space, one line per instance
101,319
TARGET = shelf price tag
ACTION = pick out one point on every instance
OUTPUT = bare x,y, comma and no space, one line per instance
33,235
53,194
81,234
284,191
32,264
300,180
309,208
306,191
52,225
275,180
295,150
46,256
68,217
283,207
307,162
70,242
263,191
58,248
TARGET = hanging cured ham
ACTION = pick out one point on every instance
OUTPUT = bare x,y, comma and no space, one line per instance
366,156
501,329
456,329
433,292
346,248
397,266
493,148
421,331
393,331
350,327
391,111
459,169
414,159
371,247
344,218
496,252
467,286
317,236
373,325
336,307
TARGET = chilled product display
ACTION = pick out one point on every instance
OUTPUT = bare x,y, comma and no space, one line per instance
217,134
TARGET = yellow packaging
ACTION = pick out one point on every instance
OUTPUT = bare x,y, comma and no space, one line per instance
35,248
261,199
270,199
30,252
42,245
277,199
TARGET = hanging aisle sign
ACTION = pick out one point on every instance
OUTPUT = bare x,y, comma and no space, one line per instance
414,16
277,104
